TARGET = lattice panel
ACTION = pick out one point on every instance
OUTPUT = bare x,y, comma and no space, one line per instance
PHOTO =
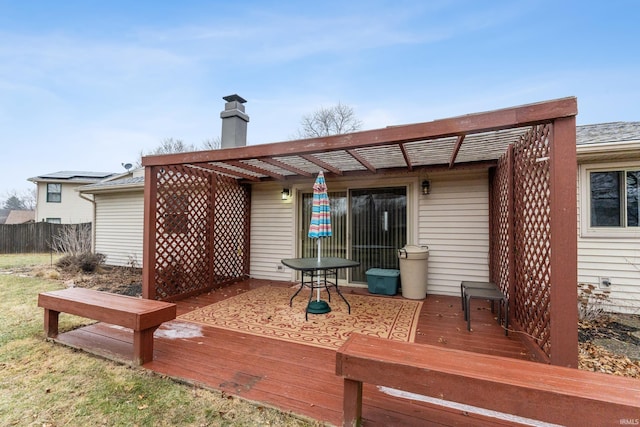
183,230
231,230
201,229
532,234
501,213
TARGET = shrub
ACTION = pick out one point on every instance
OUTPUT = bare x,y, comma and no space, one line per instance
85,262
592,302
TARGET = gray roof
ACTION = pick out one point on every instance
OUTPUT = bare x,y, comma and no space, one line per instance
116,183
72,176
608,133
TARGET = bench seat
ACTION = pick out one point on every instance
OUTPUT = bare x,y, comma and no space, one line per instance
532,390
143,316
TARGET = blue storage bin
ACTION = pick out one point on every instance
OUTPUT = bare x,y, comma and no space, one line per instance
383,281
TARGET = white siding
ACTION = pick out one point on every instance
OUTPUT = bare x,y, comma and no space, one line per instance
454,223
119,227
615,258
272,232
72,208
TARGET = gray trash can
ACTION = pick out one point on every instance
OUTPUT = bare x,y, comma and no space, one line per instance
413,271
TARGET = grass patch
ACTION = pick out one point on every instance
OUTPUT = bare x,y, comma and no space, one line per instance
27,260
46,384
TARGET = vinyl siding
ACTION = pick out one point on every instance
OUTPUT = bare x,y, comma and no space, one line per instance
119,227
272,232
453,221
615,258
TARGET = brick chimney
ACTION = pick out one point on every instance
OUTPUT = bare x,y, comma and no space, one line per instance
234,122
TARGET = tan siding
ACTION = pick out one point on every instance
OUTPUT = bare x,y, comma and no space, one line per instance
72,208
272,232
454,223
119,227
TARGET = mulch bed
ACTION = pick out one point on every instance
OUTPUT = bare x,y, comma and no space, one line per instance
611,344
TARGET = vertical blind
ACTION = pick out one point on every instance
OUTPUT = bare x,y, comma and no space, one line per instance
378,228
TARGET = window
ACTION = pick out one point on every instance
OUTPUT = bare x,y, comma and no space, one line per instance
54,220
54,193
614,197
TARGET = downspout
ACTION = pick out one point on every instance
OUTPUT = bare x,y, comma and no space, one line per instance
93,220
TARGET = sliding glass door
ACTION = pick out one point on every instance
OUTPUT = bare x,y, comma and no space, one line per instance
368,225
378,228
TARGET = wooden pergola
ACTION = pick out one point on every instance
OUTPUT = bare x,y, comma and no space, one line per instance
197,205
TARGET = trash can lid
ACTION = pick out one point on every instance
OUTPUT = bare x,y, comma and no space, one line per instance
413,249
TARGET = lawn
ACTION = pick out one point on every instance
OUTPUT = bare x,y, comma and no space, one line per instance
45,384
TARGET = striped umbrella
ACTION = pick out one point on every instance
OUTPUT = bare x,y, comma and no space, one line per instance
320,212
320,216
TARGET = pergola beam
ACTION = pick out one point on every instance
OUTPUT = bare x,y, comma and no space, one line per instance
285,166
231,172
316,161
521,116
255,169
456,149
362,160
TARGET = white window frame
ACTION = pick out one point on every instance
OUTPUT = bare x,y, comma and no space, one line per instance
586,230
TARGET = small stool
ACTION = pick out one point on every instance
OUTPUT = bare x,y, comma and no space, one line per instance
480,285
487,294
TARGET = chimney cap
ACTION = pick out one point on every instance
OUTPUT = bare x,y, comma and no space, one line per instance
234,97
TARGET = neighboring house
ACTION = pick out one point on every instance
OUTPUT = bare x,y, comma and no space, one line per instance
57,198
609,211
4,213
118,217
20,217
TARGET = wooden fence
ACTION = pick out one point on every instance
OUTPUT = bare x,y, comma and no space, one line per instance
33,237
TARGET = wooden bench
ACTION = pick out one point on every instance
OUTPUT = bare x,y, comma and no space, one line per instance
143,316
526,389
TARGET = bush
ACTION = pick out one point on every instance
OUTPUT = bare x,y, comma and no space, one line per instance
85,262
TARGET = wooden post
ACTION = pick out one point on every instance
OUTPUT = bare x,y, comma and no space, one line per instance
352,403
143,346
149,233
564,243
51,322
511,221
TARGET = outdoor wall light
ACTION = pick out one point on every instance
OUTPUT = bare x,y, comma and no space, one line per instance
285,193
426,187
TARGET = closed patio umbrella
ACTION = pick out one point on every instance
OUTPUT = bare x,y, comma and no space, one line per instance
320,227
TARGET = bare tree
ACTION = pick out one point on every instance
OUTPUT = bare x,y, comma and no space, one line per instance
167,146
334,120
212,143
170,146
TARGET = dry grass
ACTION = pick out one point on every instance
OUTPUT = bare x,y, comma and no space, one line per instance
45,384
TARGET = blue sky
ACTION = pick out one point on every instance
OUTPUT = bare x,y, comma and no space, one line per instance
88,85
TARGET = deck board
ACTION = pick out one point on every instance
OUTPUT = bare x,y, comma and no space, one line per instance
299,378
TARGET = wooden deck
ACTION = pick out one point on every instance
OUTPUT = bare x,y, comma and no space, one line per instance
299,378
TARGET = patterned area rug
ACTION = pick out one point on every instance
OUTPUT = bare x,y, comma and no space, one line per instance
265,312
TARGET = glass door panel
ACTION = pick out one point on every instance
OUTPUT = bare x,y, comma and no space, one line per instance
378,228
334,246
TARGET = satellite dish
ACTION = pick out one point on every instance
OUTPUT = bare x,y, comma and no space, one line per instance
127,166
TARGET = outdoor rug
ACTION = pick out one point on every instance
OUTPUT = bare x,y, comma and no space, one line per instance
265,312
